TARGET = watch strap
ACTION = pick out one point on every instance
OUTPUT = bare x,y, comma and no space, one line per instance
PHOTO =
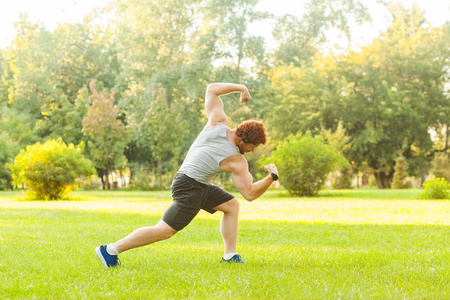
274,176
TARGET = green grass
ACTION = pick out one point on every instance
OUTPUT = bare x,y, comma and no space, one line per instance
355,244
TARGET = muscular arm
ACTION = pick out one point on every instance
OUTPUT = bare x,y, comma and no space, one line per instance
243,180
214,105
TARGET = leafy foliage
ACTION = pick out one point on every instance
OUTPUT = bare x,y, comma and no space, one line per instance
106,131
400,180
158,57
160,133
301,39
387,96
304,163
344,179
49,171
5,157
340,141
436,188
441,166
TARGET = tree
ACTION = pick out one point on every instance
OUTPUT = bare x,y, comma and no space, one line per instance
304,162
160,132
82,53
400,180
396,94
42,73
300,40
441,166
387,96
236,49
49,171
340,141
29,80
107,133
160,44
295,100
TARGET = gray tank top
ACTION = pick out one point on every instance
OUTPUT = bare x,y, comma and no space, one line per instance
208,150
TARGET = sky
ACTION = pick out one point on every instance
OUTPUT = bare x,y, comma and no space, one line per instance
50,13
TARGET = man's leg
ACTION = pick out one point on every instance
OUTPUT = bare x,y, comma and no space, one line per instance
229,224
145,236
108,254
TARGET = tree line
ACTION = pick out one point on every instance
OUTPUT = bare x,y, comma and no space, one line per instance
129,81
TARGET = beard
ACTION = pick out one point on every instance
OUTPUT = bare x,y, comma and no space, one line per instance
240,148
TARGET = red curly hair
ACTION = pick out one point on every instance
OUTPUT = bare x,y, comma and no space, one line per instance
253,132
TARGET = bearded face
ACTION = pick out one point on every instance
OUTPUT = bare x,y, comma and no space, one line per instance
246,147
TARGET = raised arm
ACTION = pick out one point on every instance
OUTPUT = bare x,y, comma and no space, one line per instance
214,105
243,180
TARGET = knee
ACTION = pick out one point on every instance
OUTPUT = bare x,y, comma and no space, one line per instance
165,231
168,233
229,207
233,206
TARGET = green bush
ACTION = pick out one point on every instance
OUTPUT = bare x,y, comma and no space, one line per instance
304,162
436,188
49,171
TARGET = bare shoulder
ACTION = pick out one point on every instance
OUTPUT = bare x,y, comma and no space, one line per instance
234,164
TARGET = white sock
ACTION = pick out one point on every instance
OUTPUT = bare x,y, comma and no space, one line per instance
111,250
228,256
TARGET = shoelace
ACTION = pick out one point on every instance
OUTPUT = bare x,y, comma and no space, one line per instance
236,258
115,260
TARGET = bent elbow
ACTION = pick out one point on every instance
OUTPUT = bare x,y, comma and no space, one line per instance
210,88
249,198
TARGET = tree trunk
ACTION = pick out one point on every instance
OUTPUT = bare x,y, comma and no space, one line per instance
108,185
364,179
100,174
383,181
132,174
422,179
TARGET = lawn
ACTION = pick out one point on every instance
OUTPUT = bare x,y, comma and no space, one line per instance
358,244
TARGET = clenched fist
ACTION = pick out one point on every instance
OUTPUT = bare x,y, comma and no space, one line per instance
271,168
245,96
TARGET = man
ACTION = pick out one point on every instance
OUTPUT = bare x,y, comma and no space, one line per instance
217,149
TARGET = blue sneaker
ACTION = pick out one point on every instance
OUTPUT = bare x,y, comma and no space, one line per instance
107,259
235,259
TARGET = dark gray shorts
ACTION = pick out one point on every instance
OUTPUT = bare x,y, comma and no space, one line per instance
189,196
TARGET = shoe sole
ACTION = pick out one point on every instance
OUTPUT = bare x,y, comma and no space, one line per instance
232,262
100,256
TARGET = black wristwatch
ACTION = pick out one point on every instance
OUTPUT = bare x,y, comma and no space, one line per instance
274,176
